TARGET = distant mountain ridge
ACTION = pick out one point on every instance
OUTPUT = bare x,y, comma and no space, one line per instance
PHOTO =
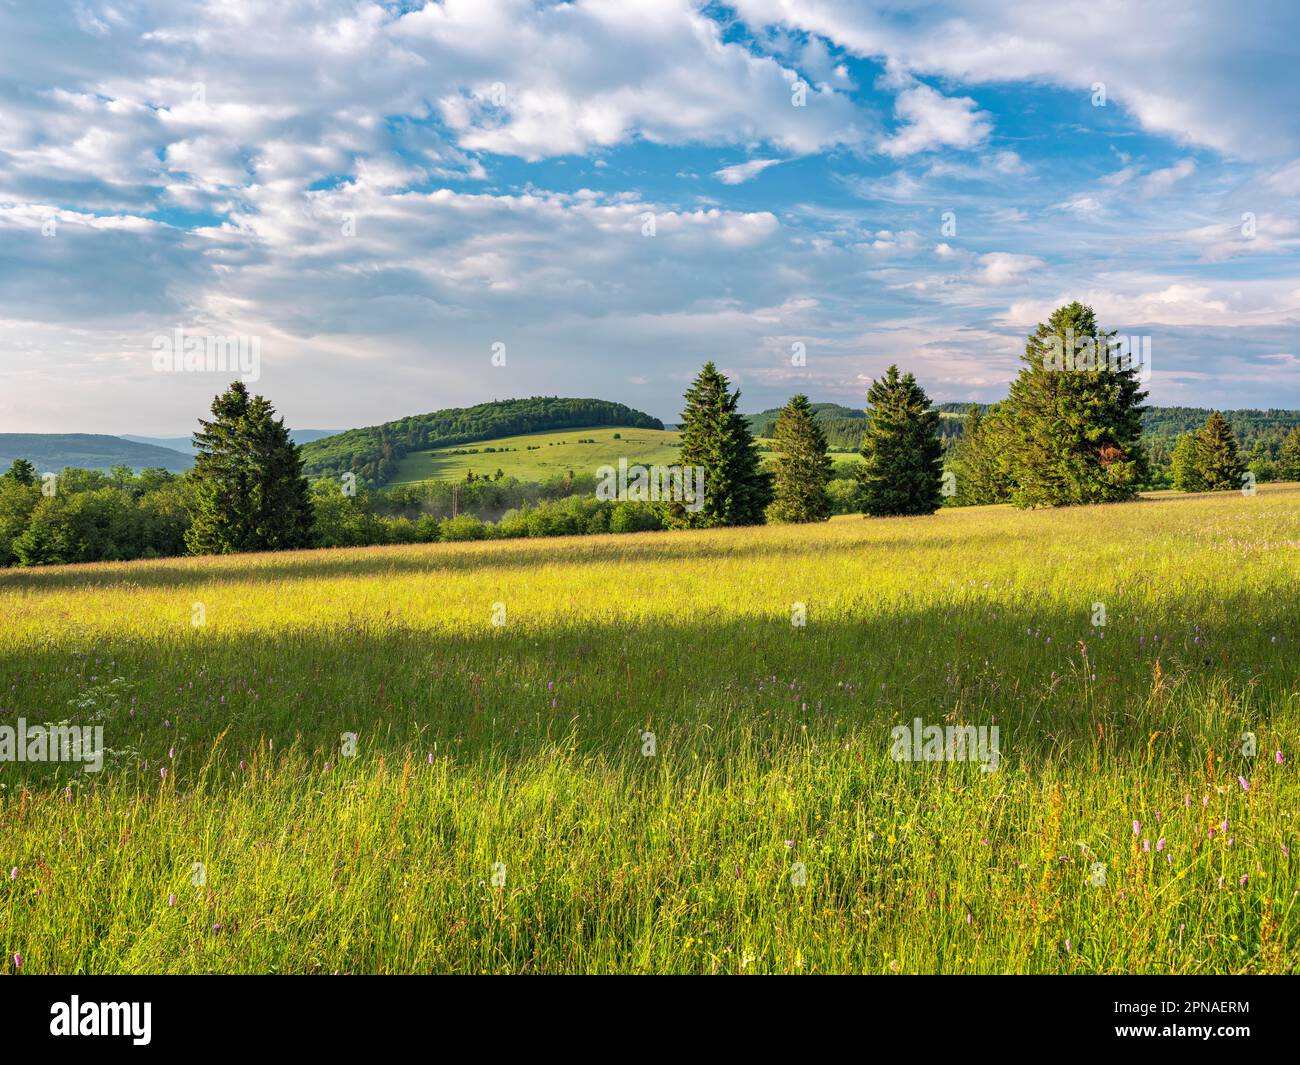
185,444
53,452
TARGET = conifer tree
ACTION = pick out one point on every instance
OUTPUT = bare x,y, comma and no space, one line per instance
1075,417
249,493
717,437
1288,463
22,472
1218,461
902,467
978,461
802,466
1184,464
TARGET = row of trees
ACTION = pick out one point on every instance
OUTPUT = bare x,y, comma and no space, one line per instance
901,470
1066,434
1062,436
1210,459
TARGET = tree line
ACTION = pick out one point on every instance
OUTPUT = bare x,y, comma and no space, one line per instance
1062,437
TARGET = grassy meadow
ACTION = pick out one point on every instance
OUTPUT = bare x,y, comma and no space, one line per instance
501,812
552,454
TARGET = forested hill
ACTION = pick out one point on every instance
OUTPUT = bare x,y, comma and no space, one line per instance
372,453
1160,425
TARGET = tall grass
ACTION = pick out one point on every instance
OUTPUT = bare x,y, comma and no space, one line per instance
499,813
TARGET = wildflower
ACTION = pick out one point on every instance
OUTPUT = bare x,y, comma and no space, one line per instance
163,771
1242,781
968,918
431,758
171,899
1243,880
1278,758
171,753
1137,827
1160,844
327,767
789,843
18,960
241,763
1067,947
1146,846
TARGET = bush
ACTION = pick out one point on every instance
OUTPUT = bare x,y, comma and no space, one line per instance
461,528
628,517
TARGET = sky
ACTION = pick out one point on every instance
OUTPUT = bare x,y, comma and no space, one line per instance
604,194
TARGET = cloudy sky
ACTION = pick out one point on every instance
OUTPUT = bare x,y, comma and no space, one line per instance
617,190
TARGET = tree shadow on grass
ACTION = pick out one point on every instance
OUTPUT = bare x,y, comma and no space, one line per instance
710,690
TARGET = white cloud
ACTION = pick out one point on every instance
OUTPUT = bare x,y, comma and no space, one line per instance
932,120
1000,267
742,172
1191,71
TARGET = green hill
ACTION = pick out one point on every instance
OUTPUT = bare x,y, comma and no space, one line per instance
539,456
374,453
92,451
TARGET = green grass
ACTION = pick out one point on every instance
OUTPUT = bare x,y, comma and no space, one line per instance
554,454
521,745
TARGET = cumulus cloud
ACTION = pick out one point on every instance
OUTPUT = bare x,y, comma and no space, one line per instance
931,120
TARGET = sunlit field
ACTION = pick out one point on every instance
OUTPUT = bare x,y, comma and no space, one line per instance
551,454
505,809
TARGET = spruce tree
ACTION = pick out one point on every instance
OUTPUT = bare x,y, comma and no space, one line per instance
281,498
1218,460
1288,463
802,466
978,461
249,493
1184,464
1076,423
717,437
902,467
22,472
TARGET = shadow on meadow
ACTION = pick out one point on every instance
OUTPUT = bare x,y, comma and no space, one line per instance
710,690
434,559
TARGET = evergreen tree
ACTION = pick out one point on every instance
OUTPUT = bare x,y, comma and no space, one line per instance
978,461
717,437
1218,461
22,472
1184,465
802,466
1288,463
248,490
281,498
1076,418
902,468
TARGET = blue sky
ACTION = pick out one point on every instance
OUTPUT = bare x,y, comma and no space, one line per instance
382,192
